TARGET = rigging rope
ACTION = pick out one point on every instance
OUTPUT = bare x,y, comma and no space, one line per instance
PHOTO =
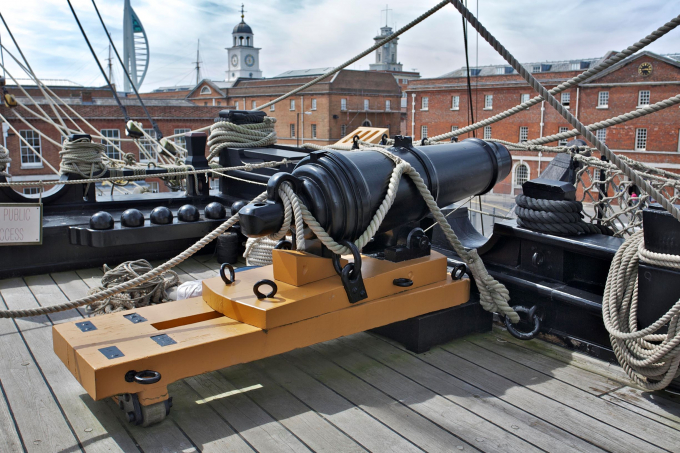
153,291
650,359
225,134
4,160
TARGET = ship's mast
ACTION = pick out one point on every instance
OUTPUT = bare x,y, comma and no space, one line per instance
198,62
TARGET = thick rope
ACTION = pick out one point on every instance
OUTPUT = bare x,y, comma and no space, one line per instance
153,291
108,292
225,134
566,114
650,359
560,217
82,157
658,33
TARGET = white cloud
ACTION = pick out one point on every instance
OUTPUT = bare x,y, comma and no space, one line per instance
296,34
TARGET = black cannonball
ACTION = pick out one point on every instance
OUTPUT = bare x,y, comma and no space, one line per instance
101,221
215,210
188,213
161,216
132,218
236,207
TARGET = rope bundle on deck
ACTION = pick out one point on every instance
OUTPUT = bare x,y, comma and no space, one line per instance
560,217
153,291
4,160
82,157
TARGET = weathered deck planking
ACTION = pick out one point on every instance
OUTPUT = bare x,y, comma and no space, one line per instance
488,392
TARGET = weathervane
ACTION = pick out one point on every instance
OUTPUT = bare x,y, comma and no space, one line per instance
387,10
242,11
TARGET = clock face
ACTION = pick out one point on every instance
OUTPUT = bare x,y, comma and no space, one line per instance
249,60
234,60
645,69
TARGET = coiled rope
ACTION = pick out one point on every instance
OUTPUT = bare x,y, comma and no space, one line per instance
4,160
560,217
82,157
650,359
153,291
225,134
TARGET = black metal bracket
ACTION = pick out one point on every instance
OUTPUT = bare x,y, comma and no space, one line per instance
350,275
417,246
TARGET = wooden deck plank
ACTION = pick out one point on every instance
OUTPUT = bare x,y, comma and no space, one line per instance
517,421
397,416
579,424
598,409
9,437
573,358
95,426
470,427
645,413
664,405
578,377
205,427
315,431
256,426
197,270
41,423
357,423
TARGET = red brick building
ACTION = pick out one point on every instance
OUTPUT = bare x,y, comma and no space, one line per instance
98,107
439,105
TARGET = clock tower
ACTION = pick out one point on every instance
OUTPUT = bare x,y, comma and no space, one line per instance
244,57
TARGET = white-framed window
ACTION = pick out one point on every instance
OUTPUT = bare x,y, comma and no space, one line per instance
343,130
521,174
148,151
365,104
205,104
153,186
487,132
500,71
575,66
566,99
214,183
272,108
28,157
536,68
313,130
31,190
113,135
640,139
388,105
181,140
343,104
643,98
454,128
488,101
424,103
526,97
405,81
219,102
455,102
235,105
523,133
313,104
292,104
253,105
206,90
423,131
603,99
601,135
563,142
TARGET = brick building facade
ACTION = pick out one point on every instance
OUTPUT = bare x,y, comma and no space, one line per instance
438,105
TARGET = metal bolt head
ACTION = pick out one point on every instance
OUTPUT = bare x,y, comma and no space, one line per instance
131,417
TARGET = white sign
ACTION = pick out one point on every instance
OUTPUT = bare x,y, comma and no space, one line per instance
20,223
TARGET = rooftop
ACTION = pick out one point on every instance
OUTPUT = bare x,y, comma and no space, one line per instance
303,72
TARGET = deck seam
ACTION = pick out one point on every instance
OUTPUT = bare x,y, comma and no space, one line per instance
185,435
448,399
267,412
472,384
572,386
558,402
11,414
360,408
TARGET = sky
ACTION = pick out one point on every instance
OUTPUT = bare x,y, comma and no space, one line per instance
301,34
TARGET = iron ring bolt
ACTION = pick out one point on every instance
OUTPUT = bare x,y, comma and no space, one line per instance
458,272
531,315
232,274
283,244
145,377
259,294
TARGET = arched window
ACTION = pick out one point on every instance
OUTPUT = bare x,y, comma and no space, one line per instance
240,40
521,174
234,40
366,123
247,40
251,75
206,90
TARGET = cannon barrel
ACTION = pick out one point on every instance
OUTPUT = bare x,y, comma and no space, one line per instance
343,190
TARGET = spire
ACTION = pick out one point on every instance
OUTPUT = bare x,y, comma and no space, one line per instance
242,14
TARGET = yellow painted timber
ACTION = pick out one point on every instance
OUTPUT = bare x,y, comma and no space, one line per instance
300,268
366,134
292,304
